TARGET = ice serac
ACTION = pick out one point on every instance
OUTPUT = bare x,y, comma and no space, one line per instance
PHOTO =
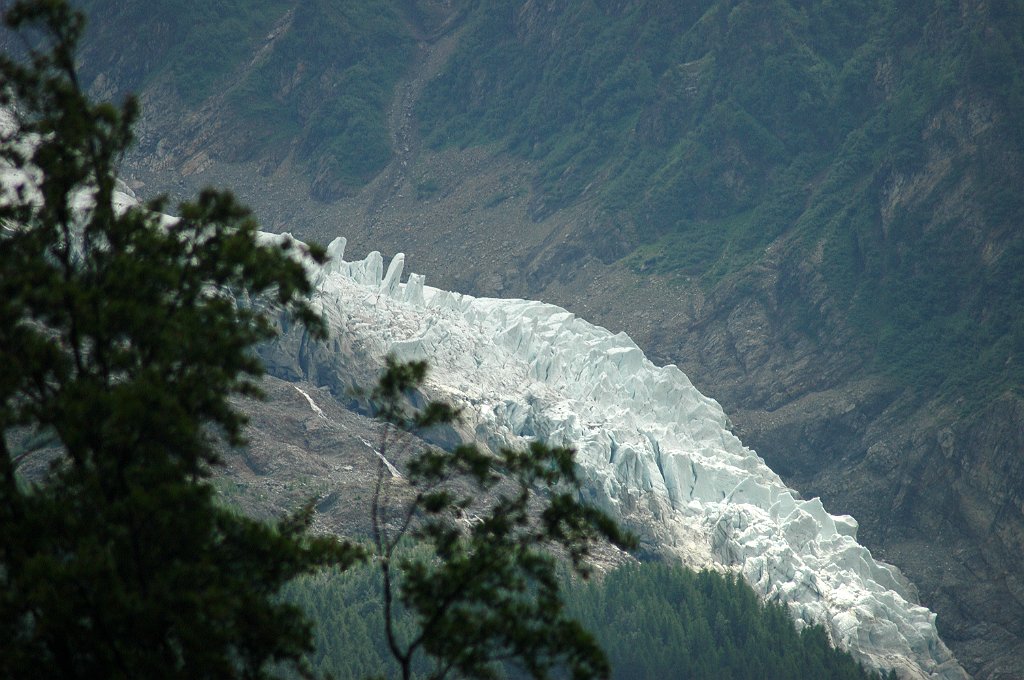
652,449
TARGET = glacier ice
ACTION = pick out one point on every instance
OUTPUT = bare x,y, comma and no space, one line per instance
652,449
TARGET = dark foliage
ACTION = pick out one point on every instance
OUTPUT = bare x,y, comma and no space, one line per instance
656,621
652,620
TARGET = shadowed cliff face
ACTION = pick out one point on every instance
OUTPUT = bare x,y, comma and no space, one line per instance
835,258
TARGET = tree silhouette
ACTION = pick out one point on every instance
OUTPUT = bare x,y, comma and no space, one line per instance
121,343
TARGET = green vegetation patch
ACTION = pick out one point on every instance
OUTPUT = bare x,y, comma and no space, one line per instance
314,78
653,621
327,83
195,44
699,249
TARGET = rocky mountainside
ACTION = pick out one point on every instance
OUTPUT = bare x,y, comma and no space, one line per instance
812,208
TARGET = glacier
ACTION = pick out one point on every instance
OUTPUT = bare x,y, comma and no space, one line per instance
652,450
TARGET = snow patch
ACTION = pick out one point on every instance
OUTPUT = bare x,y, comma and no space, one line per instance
312,404
391,468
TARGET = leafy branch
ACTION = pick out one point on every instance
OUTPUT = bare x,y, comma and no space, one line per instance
483,581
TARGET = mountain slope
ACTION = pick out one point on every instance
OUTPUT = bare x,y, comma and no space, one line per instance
812,207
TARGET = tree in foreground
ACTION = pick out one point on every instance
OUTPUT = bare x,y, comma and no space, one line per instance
473,557
120,346
122,340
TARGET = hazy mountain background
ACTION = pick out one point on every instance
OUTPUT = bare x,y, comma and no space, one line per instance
813,208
